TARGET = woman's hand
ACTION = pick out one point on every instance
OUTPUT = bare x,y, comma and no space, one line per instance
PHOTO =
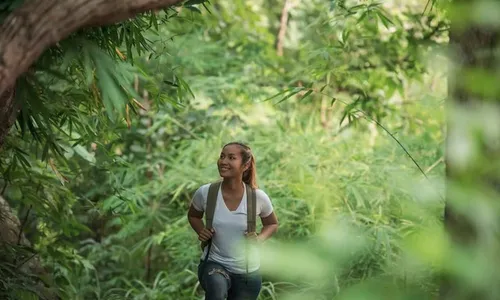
206,234
253,236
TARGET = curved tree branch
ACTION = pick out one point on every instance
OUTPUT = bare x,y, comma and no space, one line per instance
39,24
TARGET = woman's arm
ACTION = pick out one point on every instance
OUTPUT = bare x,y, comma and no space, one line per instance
196,221
270,226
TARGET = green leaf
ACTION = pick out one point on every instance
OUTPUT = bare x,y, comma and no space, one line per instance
362,17
306,95
194,2
24,162
356,7
276,95
185,85
80,150
345,35
206,7
293,92
194,9
385,20
87,68
45,151
170,83
111,81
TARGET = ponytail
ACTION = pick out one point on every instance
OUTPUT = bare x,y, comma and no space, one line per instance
250,175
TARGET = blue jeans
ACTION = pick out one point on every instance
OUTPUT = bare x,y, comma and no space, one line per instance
220,284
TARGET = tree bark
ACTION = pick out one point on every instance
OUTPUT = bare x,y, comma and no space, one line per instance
24,35
7,113
473,47
36,25
39,24
11,235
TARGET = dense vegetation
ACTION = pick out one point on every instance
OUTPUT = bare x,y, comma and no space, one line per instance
343,104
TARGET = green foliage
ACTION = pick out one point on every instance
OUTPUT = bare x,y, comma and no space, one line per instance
120,125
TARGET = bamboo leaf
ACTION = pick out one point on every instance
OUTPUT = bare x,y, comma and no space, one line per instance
293,92
385,20
193,9
80,150
194,2
306,95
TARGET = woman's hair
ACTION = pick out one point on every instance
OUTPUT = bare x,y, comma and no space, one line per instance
250,175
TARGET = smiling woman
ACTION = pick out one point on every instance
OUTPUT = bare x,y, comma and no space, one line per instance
227,271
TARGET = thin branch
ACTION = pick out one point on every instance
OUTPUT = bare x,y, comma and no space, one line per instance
367,117
435,164
394,138
283,26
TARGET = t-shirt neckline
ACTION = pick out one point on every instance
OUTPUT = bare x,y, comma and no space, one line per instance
240,206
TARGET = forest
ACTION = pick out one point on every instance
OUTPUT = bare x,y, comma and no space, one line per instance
375,126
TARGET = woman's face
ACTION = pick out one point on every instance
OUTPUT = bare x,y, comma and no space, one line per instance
230,162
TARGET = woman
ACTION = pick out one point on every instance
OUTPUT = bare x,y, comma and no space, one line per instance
230,271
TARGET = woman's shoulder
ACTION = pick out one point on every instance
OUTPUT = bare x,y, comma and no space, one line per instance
264,203
205,185
203,188
260,191
261,195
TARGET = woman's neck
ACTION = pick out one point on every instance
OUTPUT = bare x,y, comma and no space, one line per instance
232,184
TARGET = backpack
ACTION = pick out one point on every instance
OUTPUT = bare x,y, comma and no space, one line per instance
211,202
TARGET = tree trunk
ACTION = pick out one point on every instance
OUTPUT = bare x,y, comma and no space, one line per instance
7,113
39,24
283,26
473,47
11,236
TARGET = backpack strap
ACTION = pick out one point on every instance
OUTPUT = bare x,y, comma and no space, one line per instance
213,190
251,216
251,208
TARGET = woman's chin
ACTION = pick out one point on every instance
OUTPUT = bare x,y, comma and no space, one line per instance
225,173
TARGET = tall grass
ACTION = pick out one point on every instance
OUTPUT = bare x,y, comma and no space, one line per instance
349,214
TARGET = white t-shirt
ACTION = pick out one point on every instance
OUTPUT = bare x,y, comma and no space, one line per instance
228,242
